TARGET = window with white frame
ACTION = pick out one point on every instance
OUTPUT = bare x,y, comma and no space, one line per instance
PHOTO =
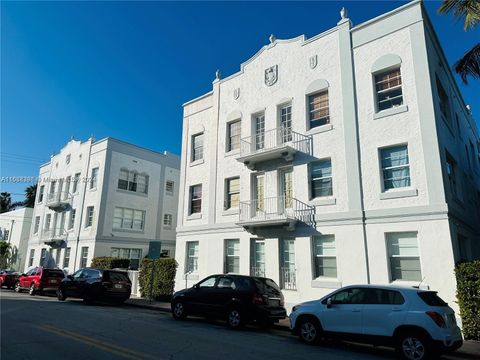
286,123
395,167
197,147
76,180
134,255
36,225
234,132
66,257
452,174
232,193
259,127
94,178
66,192
325,258
169,187
89,217
404,256
232,256
288,272
257,257
130,219
43,256
41,193
71,221
32,256
321,181
133,181
167,220
388,86
319,112
48,219
195,199
192,257
84,257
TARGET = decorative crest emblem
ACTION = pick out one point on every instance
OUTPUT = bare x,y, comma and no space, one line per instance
313,61
271,75
236,93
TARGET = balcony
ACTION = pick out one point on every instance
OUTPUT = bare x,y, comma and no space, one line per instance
58,201
275,211
288,278
279,143
54,238
257,271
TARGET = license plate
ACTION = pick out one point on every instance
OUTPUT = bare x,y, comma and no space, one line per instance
118,286
53,281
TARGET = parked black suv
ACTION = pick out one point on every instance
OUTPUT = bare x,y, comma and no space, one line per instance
236,298
96,284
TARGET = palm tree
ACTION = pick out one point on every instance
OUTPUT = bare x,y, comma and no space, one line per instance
469,64
6,203
30,193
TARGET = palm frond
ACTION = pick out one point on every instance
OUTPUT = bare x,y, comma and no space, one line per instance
467,9
469,64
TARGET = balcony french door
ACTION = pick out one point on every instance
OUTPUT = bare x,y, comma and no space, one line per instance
260,132
288,276
258,258
286,123
259,194
286,188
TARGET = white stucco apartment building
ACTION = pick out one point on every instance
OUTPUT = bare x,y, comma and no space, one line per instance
346,158
103,198
15,229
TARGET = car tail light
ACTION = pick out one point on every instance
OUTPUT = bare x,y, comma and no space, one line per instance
258,299
437,318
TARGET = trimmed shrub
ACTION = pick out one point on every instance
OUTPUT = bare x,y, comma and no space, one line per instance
107,262
163,278
468,295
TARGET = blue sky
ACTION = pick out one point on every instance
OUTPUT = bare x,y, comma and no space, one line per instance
124,69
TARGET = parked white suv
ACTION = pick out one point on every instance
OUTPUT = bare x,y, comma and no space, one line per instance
418,323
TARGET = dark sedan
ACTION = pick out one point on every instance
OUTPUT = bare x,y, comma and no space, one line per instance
236,298
8,278
96,285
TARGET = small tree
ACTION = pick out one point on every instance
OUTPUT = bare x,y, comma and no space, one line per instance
4,254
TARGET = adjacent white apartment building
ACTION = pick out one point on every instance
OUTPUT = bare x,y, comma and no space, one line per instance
346,158
15,229
103,198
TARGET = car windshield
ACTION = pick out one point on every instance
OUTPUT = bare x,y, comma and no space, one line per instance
268,287
431,298
53,273
115,276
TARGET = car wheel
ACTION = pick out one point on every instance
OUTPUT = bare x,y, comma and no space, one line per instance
61,294
234,318
17,287
413,346
178,310
32,291
309,330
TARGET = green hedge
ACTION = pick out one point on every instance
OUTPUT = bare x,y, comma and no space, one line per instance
468,295
163,278
106,262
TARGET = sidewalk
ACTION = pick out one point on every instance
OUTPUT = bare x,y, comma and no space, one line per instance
469,349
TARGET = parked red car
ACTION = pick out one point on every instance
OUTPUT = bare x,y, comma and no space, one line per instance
8,278
40,279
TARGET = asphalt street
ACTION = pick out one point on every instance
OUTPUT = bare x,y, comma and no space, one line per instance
41,327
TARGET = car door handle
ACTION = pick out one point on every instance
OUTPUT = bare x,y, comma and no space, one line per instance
396,309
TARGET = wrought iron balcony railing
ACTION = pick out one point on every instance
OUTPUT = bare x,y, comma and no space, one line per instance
59,200
288,278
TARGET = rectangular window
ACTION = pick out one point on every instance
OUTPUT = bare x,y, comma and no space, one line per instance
132,181
319,112
197,147
452,174
195,199
321,182
5,234
51,194
142,183
67,159
259,131
404,256
388,86
192,257
66,191
40,193
71,222
123,180
32,256
232,193
258,258
169,187
124,218
37,224
443,102
134,255
325,259
94,179
167,220
48,220
84,254
286,123
395,167
89,217
57,257
76,180
43,256
472,154
288,276
66,258
234,133
232,256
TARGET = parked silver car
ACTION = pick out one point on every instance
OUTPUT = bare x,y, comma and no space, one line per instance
418,323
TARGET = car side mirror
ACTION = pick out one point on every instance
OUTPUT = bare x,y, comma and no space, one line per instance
196,286
70,277
329,303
